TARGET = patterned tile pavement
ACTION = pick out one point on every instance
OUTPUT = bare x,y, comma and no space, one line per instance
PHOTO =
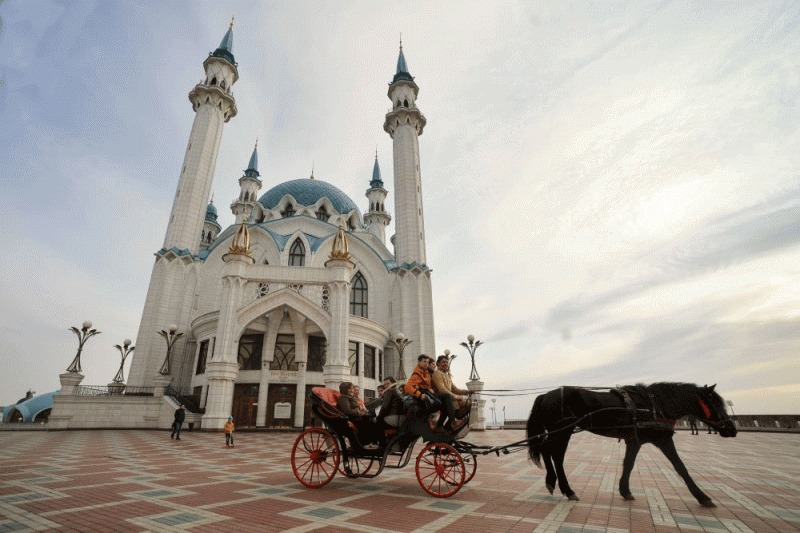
120,481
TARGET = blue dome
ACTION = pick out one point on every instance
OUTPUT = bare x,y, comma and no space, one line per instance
211,212
306,192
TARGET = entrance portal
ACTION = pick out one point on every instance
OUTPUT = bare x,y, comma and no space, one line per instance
280,405
245,404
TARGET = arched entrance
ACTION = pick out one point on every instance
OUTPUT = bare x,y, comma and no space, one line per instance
281,352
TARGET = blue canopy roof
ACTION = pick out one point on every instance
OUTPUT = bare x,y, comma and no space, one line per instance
225,50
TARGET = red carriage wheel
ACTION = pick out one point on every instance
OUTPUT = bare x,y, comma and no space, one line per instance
470,466
315,457
440,470
358,466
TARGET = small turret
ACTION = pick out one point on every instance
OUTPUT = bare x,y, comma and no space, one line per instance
246,205
211,227
376,219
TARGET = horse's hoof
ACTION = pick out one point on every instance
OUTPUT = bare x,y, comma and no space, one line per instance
708,504
550,488
573,498
628,497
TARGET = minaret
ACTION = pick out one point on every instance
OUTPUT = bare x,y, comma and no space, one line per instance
171,295
405,123
412,300
250,185
377,218
214,104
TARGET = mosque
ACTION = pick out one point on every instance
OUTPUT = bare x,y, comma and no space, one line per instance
301,291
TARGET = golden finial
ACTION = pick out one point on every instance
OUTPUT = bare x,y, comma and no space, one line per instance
232,17
376,152
212,198
340,249
401,41
312,171
241,241
256,146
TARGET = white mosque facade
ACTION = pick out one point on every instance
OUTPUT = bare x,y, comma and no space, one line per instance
277,303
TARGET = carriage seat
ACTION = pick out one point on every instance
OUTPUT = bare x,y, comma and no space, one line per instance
329,396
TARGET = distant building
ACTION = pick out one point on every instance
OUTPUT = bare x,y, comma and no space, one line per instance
30,409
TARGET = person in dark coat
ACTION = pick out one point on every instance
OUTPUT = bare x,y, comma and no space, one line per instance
180,416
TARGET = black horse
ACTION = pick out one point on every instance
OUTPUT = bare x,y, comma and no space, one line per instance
639,414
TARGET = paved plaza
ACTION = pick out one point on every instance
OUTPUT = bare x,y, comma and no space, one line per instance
110,480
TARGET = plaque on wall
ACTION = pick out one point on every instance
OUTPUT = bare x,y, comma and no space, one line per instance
283,410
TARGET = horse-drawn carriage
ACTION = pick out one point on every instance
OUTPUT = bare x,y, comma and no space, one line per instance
443,466
636,414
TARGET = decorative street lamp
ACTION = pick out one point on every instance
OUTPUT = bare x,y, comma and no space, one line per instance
83,335
400,342
494,410
170,338
471,347
125,351
730,404
449,356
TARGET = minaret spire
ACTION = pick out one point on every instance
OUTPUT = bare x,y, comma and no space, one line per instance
214,105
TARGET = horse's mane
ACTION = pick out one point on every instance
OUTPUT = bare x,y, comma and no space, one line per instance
676,397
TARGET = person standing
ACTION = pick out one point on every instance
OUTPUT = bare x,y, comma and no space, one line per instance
228,429
180,416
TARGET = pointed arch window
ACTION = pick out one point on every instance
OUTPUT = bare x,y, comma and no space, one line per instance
289,211
359,296
297,254
322,214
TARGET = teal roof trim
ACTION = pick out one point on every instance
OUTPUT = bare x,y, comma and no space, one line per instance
307,192
225,49
376,182
252,167
402,69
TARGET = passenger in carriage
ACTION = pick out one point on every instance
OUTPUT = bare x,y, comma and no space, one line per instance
419,386
348,404
442,382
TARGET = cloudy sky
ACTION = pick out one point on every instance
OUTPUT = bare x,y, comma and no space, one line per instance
612,191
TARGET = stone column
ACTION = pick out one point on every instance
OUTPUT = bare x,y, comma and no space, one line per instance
267,354
477,420
70,382
300,399
223,369
337,368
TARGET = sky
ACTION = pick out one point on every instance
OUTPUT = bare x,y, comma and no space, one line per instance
612,190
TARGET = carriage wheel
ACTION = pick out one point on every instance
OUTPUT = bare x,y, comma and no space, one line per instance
470,466
440,470
358,466
315,457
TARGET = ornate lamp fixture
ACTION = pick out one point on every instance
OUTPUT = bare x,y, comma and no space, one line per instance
83,335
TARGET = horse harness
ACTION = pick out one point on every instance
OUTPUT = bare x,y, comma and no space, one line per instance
655,422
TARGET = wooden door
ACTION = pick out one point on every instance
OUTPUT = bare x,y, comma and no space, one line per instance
245,404
279,414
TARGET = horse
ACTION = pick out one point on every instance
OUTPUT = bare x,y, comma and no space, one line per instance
638,414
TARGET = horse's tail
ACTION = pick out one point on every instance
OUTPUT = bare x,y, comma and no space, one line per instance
535,430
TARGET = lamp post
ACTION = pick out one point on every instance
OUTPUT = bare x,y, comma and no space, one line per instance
125,351
494,411
83,335
400,342
170,338
471,347
730,404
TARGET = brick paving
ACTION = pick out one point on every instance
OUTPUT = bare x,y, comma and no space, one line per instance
109,480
